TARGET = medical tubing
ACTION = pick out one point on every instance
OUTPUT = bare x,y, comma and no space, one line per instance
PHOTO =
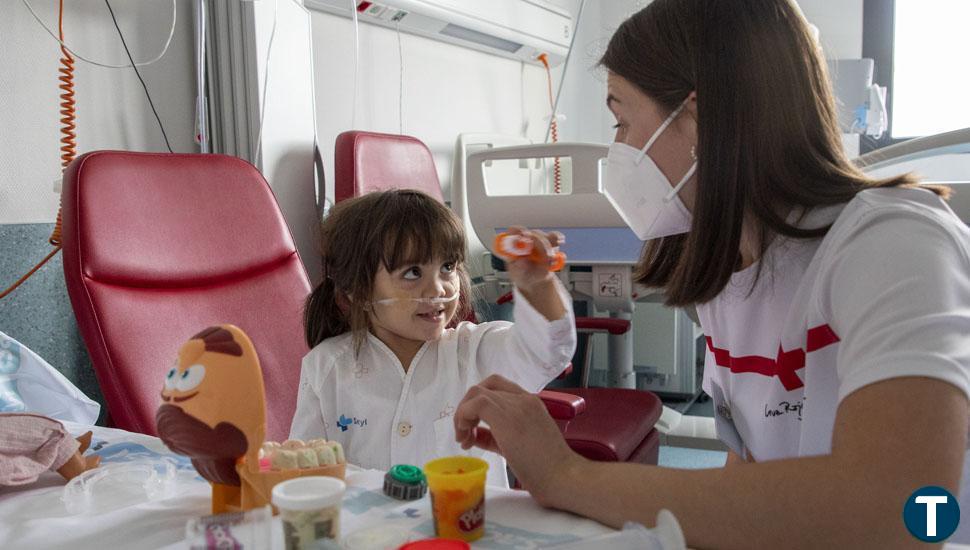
565,63
353,110
68,142
400,90
168,41
138,74
438,300
257,149
553,126
29,273
68,115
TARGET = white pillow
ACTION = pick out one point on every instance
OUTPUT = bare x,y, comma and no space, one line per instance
30,384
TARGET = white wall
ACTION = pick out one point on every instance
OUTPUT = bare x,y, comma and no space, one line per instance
447,89
583,100
286,146
583,96
840,26
112,112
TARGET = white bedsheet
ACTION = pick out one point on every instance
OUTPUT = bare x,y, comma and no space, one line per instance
34,517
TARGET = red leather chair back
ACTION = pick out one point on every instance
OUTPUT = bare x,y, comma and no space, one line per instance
368,161
158,247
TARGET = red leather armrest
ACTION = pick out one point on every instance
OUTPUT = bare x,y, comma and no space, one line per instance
603,324
565,372
589,324
562,406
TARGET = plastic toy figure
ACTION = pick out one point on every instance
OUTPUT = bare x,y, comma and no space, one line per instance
214,411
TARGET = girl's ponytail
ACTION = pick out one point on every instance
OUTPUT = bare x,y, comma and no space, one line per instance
322,316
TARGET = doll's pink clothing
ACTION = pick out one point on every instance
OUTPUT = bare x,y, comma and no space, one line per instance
31,445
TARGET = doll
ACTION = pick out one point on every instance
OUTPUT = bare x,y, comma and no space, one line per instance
31,444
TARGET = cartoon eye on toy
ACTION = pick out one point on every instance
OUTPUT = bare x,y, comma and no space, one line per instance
190,378
170,378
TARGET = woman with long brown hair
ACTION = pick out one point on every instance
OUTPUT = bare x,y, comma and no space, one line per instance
836,307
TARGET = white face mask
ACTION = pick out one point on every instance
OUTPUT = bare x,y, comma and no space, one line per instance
640,192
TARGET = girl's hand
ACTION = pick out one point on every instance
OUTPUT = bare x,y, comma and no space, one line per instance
527,274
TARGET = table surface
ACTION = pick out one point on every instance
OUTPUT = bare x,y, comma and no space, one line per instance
35,516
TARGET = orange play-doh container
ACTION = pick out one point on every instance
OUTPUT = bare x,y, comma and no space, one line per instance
457,488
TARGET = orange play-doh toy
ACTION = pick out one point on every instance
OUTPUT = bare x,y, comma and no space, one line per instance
457,487
214,411
511,247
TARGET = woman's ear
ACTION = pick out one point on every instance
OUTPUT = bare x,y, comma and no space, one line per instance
689,125
691,106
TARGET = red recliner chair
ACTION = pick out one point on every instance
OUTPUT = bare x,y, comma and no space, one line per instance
629,415
368,161
160,246
607,424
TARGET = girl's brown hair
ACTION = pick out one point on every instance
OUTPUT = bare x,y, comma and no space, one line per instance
767,134
388,229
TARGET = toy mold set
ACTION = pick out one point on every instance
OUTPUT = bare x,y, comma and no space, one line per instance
214,411
509,246
296,454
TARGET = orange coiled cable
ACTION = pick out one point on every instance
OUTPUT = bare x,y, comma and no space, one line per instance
553,126
68,147
68,115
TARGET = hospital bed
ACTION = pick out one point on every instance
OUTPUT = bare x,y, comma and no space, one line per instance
941,158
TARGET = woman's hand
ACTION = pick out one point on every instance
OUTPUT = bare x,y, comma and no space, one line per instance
530,275
521,430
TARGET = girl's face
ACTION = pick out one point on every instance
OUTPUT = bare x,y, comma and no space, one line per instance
408,320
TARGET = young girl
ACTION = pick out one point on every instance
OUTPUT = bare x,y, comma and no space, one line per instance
388,362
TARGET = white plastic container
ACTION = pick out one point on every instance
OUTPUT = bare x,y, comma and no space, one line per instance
310,510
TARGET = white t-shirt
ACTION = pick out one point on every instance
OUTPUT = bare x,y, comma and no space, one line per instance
885,294
383,416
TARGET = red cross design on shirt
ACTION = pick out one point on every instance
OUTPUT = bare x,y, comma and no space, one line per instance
784,366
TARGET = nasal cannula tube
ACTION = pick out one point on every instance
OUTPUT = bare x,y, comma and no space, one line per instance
438,300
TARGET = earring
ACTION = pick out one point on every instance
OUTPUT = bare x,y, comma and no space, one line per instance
693,152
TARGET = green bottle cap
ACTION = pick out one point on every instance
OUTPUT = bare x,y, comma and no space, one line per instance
405,482
406,473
